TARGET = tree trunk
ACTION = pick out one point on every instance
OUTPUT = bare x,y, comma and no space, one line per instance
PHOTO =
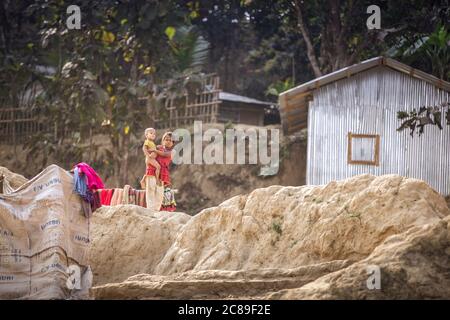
125,158
116,159
90,144
125,147
309,46
338,52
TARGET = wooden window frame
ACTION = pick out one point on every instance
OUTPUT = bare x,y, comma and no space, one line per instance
376,162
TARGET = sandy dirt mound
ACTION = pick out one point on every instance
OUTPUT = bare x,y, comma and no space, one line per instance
215,284
270,242
413,265
15,180
129,239
287,227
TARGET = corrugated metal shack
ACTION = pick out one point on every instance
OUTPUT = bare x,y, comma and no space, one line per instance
351,116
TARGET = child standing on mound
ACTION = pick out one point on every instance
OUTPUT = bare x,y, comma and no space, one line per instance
149,149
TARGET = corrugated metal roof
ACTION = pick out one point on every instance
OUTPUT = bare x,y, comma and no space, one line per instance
226,96
362,66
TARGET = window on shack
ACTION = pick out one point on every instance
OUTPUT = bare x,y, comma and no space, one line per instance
363,149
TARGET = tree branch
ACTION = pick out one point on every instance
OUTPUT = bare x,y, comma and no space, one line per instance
309,47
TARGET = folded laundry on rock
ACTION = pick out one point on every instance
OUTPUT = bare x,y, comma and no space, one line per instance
169,203
125,195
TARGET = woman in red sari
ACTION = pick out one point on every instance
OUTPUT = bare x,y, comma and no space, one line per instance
164,158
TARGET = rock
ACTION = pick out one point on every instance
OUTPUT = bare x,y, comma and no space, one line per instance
15,180
413,265
214,283
129,240
280,243
287,227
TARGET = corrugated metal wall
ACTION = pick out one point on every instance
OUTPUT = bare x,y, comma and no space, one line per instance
367,103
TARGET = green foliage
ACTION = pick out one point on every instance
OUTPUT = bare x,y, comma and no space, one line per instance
190,50
98,74
189,54
419,119
401,115
436,48
170,32
356,215
276,226
280,86
228,125
427,49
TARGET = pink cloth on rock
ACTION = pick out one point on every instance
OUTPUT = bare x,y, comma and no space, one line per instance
93,179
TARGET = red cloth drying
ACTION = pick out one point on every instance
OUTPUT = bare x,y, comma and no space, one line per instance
106,196
93,179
